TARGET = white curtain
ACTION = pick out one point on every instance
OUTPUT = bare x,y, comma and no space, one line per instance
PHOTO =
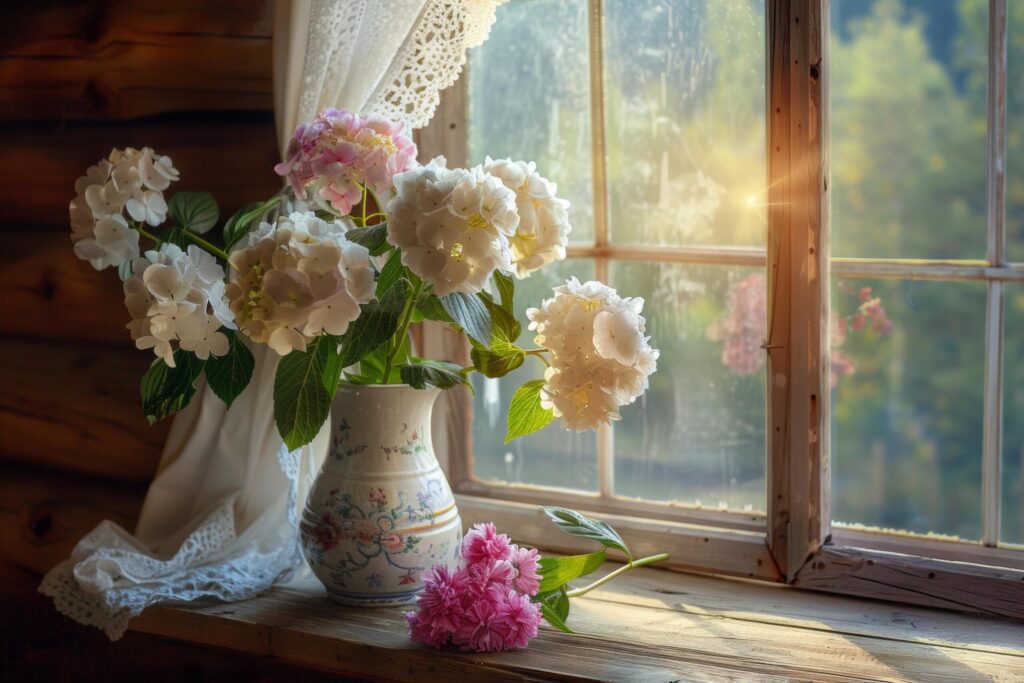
218,521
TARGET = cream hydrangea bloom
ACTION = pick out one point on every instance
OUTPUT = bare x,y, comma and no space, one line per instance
600,357
543,230
299,278
129,179
452,225
176,298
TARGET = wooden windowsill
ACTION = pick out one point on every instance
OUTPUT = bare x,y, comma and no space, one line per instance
648,625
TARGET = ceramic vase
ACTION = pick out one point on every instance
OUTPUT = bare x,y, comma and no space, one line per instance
381,510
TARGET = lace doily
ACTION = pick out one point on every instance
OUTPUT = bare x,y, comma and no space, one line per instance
431,38
110,579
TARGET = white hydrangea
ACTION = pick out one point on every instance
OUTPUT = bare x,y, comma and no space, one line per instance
452,225
543,230
299,278
129,180
176,297
600,357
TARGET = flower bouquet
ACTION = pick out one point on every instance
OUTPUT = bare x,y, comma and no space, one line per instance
331,272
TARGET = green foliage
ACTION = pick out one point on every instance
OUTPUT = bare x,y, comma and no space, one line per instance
423,373
373,238
390,274
506,289
166,390
304,386
175,236
554,607
470,312
229,375
239,225
577,524
555,572
430,308
375,326
195,211
525,413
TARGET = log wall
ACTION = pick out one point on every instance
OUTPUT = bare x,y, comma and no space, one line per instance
192,80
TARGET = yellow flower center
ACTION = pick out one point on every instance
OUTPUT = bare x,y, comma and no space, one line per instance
477,222
591,305
456,252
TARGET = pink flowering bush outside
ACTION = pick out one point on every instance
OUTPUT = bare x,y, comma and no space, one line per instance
339,152
742,327
497,598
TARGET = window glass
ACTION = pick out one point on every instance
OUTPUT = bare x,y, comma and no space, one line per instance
1013,417
697,435
529,98
552,456
1015,132
684,92
907,373
908,128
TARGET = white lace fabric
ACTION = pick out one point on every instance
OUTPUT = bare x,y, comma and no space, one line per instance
219,520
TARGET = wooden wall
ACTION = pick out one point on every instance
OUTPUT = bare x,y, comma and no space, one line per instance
192,80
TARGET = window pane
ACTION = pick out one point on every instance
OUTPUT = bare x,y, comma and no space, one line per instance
908,128
684,87
552,456
697,435
529,98
1013,417
908,375
1015,132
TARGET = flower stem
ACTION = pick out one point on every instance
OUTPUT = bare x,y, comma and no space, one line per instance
145,233
403,328
621,570
216,251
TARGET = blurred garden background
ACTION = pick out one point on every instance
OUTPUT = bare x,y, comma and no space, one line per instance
684,85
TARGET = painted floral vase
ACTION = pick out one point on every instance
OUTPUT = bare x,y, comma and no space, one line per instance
381,511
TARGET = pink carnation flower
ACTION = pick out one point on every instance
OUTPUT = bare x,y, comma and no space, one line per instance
519,619
487,575
483,542
526,562
482,629
339,151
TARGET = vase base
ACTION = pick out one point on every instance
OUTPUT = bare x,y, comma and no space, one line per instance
373,600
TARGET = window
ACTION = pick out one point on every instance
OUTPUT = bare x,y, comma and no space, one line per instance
813,201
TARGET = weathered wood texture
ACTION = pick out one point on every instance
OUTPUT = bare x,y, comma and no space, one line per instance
230,156
76,407
125,59
38,644
44,514
647,626
798,278
917,580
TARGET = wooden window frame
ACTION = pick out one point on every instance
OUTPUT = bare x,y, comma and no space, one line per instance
793,541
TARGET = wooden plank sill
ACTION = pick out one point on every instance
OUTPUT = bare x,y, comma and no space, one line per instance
649,625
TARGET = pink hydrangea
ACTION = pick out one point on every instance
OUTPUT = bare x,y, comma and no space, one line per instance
483,542
333,155
526,562
484,606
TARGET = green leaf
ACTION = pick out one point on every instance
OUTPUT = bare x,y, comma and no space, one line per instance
423,373
229,375
194,211
506,289
576,524
375,325
389,274
498,360
373,238
166,390
430,307
304,388
558,571
175,236
470,313
371,366
525,414
504,325
242,222
554,606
